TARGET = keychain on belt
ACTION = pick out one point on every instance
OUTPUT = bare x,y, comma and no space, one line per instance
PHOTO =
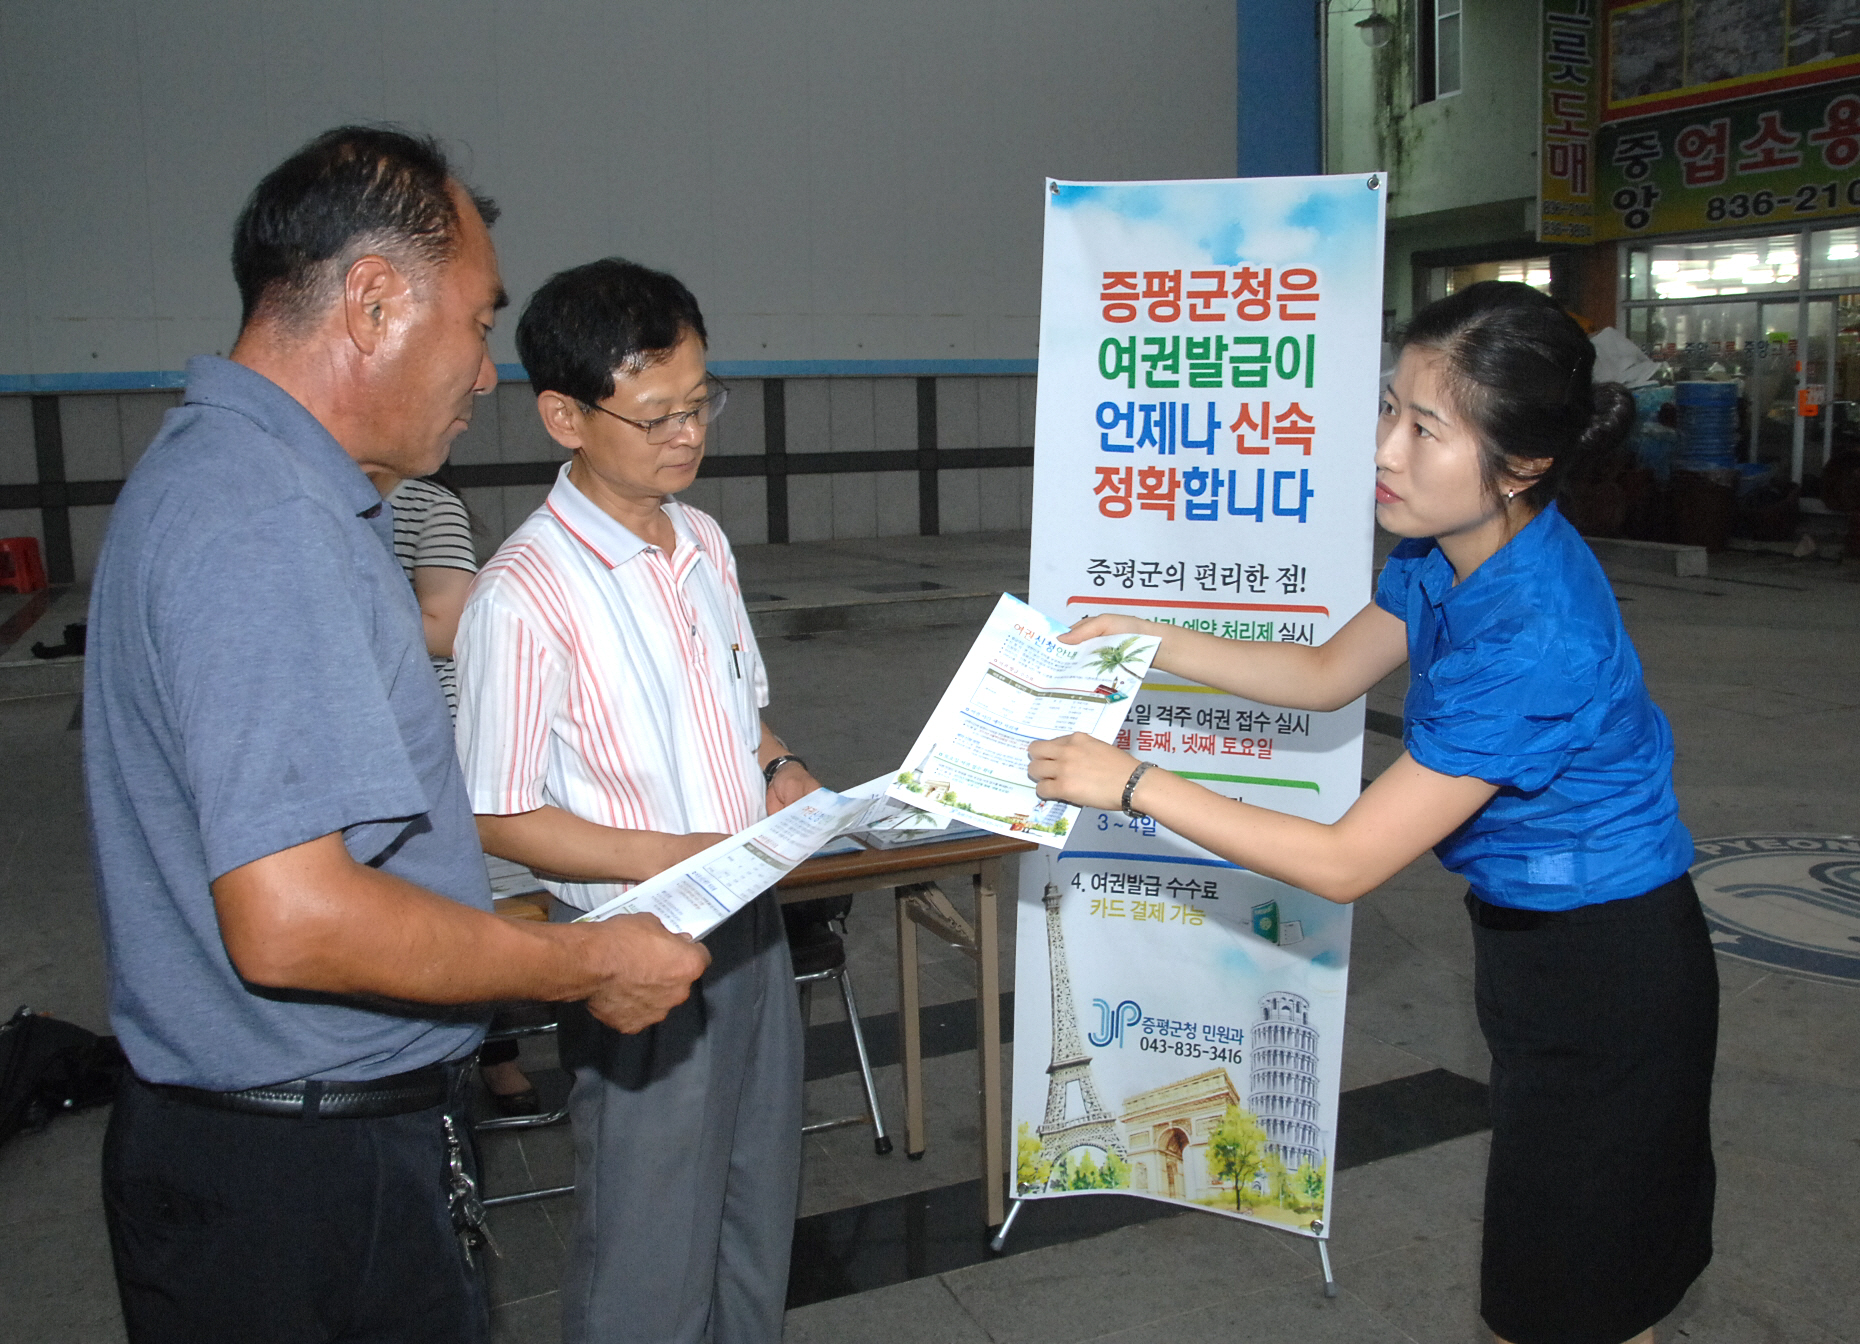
467,1209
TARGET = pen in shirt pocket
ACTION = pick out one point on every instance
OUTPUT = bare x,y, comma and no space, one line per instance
734,650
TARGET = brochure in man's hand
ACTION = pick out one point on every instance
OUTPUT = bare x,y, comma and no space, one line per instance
697,895
968,771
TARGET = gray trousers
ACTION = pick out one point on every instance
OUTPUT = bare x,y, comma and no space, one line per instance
688,1154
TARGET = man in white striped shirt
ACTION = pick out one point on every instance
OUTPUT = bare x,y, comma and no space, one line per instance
609,725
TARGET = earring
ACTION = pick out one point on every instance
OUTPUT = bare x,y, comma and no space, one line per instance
1510,493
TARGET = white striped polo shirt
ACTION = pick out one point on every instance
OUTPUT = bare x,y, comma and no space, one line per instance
602,676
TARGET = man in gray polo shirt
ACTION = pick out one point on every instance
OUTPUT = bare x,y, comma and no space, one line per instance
293,895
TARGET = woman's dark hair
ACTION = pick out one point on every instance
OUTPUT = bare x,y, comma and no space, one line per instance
1519,369
350,191
585,323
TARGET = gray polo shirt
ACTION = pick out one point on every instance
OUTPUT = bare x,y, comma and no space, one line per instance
257,677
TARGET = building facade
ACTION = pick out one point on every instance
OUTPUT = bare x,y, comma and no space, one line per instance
1442,97
1727,181
1687,171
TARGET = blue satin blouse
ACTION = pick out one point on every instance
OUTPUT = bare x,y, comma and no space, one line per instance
1524,676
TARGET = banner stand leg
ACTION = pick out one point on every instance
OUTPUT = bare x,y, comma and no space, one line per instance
1007,1224
1330,1280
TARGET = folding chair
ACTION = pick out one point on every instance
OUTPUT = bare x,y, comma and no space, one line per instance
820,954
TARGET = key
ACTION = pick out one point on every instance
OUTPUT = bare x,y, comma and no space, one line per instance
468,1218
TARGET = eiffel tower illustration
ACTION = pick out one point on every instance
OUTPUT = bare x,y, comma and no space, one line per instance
1058,1134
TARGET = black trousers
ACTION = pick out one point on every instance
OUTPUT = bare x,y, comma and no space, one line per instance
1603,1027
254,1229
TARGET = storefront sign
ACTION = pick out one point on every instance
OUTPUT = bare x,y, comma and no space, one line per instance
1204,457
1566,156
1669,54
1781,161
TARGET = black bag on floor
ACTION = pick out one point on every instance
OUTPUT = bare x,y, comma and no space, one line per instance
48,1067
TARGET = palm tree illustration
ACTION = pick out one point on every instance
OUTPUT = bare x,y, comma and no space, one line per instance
1118,658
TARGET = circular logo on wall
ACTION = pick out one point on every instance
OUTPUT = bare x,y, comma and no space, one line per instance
1790,902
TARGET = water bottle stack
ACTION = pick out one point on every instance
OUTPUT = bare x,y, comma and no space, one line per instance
1707,426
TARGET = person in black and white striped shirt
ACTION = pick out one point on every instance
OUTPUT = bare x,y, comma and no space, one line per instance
433,542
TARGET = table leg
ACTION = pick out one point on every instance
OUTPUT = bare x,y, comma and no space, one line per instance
988,1025
910,1029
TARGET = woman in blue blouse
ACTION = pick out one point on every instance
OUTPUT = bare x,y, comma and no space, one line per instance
1538,768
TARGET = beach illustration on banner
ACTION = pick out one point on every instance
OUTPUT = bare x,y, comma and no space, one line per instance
1205,1090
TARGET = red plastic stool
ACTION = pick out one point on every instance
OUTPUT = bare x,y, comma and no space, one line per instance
21,570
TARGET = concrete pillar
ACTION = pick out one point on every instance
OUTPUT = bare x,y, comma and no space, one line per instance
1280,98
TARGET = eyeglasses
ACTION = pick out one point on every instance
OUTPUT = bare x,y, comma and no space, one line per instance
668,427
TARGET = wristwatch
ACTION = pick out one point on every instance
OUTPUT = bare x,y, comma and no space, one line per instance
1130,787
768,771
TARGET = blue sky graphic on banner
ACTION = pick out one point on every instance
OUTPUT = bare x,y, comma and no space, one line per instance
1204,457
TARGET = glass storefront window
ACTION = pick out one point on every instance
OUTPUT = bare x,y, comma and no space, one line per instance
1834,259
1747,342
1704,340
1533,271
1741,310
1715,268
1637,323
1640,275
1440,281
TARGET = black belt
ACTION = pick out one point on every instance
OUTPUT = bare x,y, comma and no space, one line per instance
1679,894
402,1093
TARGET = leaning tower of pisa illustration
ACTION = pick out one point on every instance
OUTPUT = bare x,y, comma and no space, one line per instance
1059,1134
1282,1087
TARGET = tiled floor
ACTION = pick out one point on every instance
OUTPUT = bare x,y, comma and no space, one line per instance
1756,669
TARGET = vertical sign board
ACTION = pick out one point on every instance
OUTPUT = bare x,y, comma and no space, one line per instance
1571,78
1204,457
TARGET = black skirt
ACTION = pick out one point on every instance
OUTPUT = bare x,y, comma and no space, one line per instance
1603,1027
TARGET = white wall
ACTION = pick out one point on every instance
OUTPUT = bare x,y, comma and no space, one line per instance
835,180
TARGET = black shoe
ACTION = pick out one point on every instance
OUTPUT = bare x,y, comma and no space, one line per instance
526,1102
71,648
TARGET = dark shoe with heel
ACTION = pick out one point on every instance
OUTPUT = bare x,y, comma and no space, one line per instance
526,1102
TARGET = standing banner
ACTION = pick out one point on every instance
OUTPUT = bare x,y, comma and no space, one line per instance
1209,354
